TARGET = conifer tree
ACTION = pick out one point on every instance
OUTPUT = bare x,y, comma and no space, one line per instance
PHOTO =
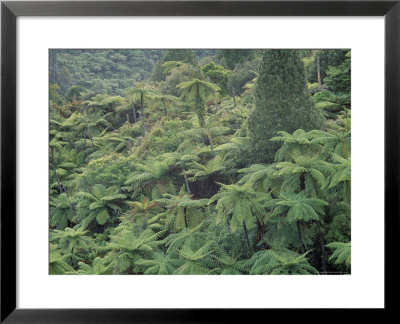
283,102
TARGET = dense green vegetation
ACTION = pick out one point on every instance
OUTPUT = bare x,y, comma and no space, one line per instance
200,161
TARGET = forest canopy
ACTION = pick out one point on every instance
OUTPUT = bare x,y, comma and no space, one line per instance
200,161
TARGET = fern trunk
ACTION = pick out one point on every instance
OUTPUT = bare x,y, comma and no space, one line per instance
211,144
186,181
165,109
300,237
247,235
347,191
323,253
142,112
130,146
185,218
302,182
211,185
134,112
260,231
199,107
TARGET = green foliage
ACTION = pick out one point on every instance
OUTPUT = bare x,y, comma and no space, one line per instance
339,227
338,78
74,93
240,205
183,210
108,71
74,241
187,56
341,253
100,204
193,260
327,58
60,211
283,102
141,211
197,91
57,262
280,262
210,169
218,75
54,94
296,207
242,75
232,57
181,73
126,249
152,178
172,58
159,264
97,268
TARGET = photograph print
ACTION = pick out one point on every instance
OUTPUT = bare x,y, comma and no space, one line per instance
199,161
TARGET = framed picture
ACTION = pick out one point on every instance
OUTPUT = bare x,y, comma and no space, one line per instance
160,158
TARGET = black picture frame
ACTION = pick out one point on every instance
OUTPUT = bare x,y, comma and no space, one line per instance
10,10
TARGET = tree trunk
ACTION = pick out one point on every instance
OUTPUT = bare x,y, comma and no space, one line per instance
130,146
142,112
300,238
302,182
211,143
318,70
186,181
165,108
246,234
134,112
212,185
347,191
184,216
260,231
323,253
206,140
233,97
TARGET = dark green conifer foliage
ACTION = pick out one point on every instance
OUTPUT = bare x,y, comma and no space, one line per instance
283,102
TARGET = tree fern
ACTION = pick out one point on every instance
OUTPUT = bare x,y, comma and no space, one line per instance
280,262
183,210
60,211
193,260
240,206
152,175
126,249
197,91
100,204
159,264
57,263
341,253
